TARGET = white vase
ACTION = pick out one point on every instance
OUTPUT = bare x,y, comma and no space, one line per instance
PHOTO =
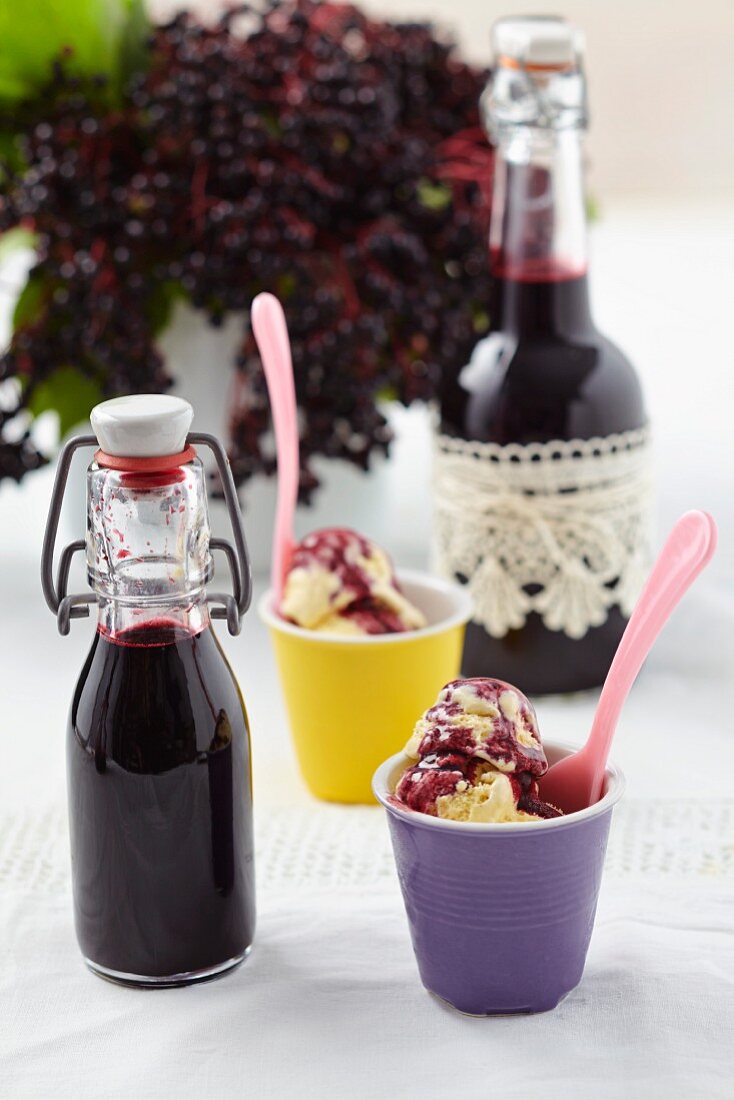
390,504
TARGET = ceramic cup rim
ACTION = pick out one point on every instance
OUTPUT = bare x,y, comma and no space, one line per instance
463,609
381,787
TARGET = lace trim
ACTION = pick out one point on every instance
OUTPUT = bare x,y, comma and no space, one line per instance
557,528
333,846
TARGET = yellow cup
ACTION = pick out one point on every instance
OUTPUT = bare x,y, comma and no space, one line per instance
353,701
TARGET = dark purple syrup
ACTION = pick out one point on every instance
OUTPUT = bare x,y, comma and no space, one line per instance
551,375
160,805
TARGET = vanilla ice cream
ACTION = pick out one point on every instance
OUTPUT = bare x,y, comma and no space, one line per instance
342,583
478,756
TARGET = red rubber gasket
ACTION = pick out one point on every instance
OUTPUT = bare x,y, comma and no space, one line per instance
149,465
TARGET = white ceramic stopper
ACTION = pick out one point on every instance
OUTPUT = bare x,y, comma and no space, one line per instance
537,40
143,425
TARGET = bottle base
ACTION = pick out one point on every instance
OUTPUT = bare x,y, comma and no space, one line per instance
168,981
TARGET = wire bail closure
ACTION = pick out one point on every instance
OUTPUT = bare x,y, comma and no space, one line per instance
520,95
76,606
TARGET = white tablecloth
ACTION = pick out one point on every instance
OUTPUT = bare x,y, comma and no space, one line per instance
330,1003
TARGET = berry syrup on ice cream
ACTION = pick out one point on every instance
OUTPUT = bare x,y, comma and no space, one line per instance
342,583
478,756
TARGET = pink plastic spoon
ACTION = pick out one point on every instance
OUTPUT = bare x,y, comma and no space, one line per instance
271,333
576,781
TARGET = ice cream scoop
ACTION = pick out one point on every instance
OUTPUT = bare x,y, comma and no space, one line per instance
478,756
340,582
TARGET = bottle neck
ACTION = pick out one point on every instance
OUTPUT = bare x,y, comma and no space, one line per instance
538,246
148,556
142,624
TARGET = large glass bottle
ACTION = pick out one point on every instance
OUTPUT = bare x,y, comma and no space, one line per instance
158,748
542,464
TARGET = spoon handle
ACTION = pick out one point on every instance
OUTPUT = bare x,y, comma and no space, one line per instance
271,333
688,549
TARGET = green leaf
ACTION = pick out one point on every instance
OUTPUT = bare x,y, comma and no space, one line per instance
99,34
480,319
14,239
272,124
12,86
340,143
434,196
31,301
134,37
286,284
11,156
68,393
161,303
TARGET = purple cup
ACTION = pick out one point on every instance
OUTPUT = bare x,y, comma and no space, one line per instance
500,915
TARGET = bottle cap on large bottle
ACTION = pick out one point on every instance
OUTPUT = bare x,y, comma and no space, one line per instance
143,425
538,76
537,42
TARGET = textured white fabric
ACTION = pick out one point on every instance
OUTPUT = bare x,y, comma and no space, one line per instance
330,1004
567,518
331,846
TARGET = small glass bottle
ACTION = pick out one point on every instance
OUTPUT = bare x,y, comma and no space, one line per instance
158,747
542,485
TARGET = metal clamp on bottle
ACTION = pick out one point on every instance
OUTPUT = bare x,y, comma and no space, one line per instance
66,607
234,607
63,606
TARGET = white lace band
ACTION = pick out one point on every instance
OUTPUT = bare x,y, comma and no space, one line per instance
558,528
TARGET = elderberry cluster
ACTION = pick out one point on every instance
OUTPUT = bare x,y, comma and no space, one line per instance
300,148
